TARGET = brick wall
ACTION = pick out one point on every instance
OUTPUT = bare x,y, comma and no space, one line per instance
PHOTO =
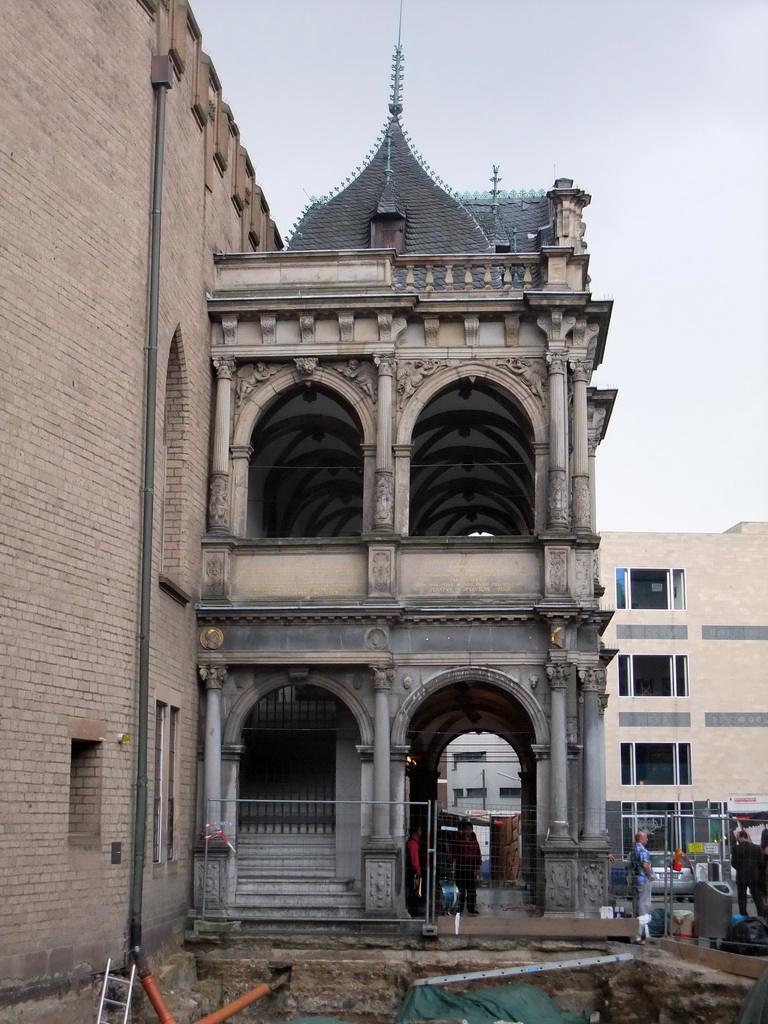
75,181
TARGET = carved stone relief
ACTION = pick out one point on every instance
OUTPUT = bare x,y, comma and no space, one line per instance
381,572
558,575
431,330
559,885
556,324
379,888
218,501
382,512
362,375
250,376
557,499
376,638
583,574
592,885
346,328
411,375
307,328
214,575
471,329
527,371
306,365
582,512
512,329
268,327
229,329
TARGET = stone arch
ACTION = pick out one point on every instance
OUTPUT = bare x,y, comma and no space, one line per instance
467,674
288,377
534,409
233,727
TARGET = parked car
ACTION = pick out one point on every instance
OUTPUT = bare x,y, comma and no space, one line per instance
683,880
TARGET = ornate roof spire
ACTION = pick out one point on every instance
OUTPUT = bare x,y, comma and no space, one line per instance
495,182
396,96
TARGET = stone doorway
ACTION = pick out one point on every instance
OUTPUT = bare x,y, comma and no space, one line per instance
299,819
473,707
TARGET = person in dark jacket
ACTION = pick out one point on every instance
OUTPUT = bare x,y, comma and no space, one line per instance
468,863
747,860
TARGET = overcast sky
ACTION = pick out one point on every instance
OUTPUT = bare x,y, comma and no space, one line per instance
657,108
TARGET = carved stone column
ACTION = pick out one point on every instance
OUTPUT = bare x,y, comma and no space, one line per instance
557,497
383,896
593,796
218,493
213,676
558,674
382,684
580,495
383,507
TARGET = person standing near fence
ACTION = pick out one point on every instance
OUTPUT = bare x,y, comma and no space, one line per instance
414,885
747,860
642,876
468,864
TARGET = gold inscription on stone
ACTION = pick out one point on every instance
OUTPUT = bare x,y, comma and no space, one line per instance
309,576
470,574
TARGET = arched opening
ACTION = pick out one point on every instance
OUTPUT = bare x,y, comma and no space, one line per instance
472,464
306,468
174,465
299,778
471,742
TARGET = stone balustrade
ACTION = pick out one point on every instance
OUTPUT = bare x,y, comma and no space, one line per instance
510,272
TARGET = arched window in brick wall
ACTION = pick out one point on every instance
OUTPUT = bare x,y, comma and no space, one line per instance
175,525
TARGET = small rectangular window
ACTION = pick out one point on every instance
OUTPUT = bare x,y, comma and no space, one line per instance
157,817
462,756
509,792
475,793
661,589
653,675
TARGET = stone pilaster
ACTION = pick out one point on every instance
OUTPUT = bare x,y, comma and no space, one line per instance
241,461
218,492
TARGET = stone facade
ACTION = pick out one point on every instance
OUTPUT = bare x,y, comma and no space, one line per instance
74,217
402,526
717,623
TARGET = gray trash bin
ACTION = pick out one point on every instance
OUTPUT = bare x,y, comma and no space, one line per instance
712,909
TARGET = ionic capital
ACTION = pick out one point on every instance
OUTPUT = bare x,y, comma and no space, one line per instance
581,370
385,363
557,362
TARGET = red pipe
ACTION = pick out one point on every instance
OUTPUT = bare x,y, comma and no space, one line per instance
154,995
239,1004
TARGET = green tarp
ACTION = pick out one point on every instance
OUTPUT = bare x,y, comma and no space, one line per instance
522,1003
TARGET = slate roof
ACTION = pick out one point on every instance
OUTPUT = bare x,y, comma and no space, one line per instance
435,221
395,182
524,224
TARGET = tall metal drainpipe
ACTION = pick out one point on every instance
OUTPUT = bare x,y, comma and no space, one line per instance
162,79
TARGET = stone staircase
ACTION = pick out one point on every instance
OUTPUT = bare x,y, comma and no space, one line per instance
292,876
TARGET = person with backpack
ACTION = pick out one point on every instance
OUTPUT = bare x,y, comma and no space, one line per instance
641,876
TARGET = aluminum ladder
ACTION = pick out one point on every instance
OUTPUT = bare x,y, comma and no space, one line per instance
110,1006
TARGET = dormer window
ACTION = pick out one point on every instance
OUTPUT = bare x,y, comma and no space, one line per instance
388,232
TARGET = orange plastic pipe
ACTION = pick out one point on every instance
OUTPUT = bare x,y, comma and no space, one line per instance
155,997
239,1004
